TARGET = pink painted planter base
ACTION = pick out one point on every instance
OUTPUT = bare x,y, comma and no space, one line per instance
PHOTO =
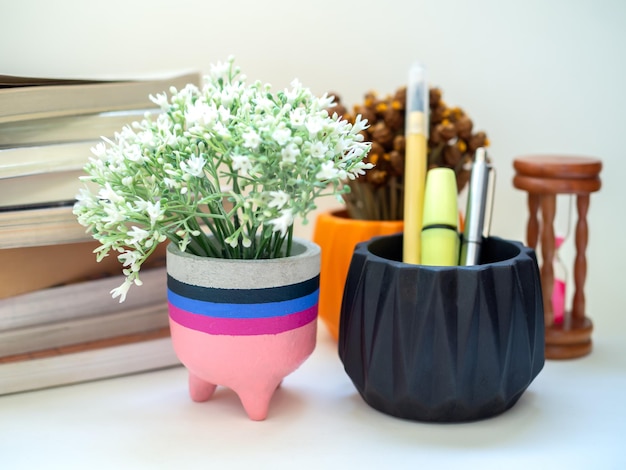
252,366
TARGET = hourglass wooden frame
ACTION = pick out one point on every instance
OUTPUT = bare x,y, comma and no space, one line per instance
543,177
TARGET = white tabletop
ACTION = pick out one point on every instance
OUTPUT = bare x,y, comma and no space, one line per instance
573,416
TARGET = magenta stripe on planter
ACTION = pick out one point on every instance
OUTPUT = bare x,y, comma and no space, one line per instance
242,326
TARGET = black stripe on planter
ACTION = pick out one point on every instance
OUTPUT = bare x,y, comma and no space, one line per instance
244,296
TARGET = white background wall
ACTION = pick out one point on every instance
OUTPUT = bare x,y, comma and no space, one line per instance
538,75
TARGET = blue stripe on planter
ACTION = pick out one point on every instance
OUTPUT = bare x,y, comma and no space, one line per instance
244,296
238,310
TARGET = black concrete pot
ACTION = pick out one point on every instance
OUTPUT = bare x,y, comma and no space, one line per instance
445,344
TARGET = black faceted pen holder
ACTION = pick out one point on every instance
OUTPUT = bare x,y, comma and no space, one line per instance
442,344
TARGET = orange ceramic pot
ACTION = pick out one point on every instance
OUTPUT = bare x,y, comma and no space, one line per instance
337,235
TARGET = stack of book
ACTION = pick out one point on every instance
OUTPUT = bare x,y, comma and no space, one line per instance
58,322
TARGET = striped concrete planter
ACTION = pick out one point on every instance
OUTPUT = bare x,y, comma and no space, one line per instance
243,324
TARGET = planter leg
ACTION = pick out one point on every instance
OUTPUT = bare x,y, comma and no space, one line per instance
200,390
256,401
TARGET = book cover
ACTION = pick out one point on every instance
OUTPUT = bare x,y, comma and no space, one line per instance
69,128
35,102
40,225
43,159
9,81
82,329
112,357
40,189
86,299
28,269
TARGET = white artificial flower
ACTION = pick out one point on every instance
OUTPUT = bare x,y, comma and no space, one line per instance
137,235
281,224
233,240
314,125
224,114
146,139
279,199
290,153
129,258
359,125
163,124
160,99
170,183
281,135
133,153
297,117
359,169
221,130
241,164
251,140
85,199
99,150
219,71
341,145
264,105
228,96
296,89
201,114
194,166
328,172
326,101
154,211
356,151
122,290
187,93
108,194
112,215
318,149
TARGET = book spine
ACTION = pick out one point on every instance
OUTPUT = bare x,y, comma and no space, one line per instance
23,103
79,300
53,335
104,359
44,159
65,129
23,227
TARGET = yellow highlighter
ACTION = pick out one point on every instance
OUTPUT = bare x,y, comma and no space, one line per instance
416,135
440,236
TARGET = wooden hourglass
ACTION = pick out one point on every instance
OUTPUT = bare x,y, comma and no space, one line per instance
543,177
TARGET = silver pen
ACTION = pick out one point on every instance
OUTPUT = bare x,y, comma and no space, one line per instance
475,227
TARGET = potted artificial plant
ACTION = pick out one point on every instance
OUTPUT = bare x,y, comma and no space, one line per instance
222,173
374,205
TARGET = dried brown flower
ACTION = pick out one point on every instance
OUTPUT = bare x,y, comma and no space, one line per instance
382,134
394,119
451,144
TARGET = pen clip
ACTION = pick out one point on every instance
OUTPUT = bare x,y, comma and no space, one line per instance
490,199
